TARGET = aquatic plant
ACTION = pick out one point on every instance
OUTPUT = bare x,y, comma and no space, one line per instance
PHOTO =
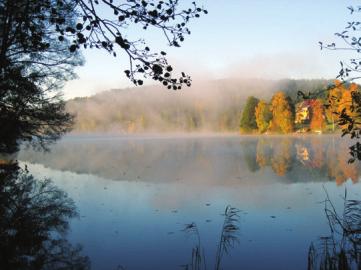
341,250
227,241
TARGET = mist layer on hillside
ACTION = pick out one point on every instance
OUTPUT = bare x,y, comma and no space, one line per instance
208,106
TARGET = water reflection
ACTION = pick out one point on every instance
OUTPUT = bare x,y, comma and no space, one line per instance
162,183
341,249
328,158
34,218
218,160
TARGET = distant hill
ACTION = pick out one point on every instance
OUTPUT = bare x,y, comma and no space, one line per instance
209,106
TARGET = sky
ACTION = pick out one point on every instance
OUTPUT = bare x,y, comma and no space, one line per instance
270,39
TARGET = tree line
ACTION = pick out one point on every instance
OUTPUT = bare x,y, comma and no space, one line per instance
320,111
209,106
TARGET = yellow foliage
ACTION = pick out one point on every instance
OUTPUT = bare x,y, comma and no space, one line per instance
282,157
340,99
282,114
263,116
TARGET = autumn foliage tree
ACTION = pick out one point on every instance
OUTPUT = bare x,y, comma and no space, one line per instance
341,106
282,113
263,116
350,37
318,122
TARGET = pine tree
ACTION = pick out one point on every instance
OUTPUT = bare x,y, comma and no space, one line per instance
248,120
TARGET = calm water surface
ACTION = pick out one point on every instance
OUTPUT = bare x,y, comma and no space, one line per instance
135,195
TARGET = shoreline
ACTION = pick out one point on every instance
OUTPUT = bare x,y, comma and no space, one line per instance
170,135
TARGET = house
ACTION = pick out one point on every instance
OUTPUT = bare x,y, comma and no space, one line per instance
303,111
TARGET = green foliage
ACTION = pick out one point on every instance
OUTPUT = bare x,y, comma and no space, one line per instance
292,87
248,120
263,116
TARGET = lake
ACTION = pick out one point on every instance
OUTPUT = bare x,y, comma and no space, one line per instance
159,202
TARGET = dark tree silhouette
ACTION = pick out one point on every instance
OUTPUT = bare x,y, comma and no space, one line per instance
34,64
351,41
40,44
93,30
34,216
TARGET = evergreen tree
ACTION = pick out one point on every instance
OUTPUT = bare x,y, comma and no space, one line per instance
248,119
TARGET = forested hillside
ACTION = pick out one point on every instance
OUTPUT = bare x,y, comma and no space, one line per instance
211,106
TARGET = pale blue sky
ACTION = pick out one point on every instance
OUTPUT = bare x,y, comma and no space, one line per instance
238,38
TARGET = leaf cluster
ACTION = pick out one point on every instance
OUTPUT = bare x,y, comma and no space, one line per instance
93,30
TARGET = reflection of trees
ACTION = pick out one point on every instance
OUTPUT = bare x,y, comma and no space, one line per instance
282,157
318,153
34,219
342,248
296,159
325,159
263,152
275,152
338,166
249,150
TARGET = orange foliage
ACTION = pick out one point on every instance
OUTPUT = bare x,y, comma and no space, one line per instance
283,117
318,116
317,153
340,98
333,158
338,166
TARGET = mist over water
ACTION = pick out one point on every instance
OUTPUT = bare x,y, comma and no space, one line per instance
211,159
136,193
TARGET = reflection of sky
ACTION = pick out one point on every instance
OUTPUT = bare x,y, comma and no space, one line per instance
261,38
137,223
